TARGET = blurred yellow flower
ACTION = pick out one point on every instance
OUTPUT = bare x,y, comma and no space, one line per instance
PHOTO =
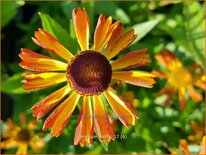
129,97
21,136
203,146
179,78
87,75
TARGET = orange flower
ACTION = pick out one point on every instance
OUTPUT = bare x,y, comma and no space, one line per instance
21,136
198,130
179,78
87,75
184,147
129,97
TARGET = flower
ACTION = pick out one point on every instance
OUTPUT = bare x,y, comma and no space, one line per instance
87,75
21,136
184,147
179,78
129,97
198,132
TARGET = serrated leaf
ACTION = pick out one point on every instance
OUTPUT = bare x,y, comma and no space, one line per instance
194,27
51,26
13,85
142,29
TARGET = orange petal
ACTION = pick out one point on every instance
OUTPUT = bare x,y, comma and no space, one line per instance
81,25
109,34
159,74
48,42
10,123
22,118
168,90
32,125
165,90
195,95
183,146
115,36
199,80
85,127
123,42
22,149
61,115
132,60
170,94
45,105
11,130
182,100
8,143
103,126
196,127
194,67
144,79
203,146
122,111
39,80
38,62
103,32
36,144
169,60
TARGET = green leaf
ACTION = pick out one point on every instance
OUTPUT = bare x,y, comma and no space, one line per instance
111,9
95,150
104,145
51,26
142,29
13,85
8,11
194,26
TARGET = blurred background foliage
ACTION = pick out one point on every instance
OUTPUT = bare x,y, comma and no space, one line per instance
178,26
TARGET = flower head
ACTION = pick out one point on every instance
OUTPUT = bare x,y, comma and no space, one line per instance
87,75
21,136
179,78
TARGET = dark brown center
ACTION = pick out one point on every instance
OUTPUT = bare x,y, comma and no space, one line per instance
89,73
23,135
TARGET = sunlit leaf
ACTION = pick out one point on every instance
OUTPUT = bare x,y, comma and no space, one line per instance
104,145
194,26
95,150
142,29
13,85
51,26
